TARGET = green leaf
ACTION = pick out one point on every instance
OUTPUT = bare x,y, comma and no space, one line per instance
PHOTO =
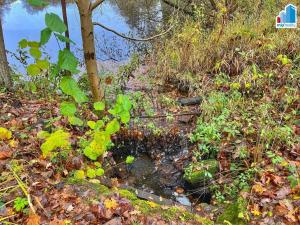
79,175
35,52
43,134
33,44
75,121
113,127
54,23
20,204
33,70
45,36
130,159
99,172
43,64
99,124
67,109
125,117
122,108
23,44
67,61
99,106
69,86
90,153
58,139
91,173
37,3
62,38
91,124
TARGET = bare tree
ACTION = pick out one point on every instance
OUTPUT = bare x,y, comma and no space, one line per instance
5,76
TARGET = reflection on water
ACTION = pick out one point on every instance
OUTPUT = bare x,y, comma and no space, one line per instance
133,17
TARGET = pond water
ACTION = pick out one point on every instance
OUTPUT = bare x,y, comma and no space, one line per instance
138,18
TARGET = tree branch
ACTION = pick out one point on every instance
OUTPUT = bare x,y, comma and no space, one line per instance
96,3
132,38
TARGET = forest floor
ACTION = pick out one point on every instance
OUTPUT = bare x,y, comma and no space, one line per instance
52,195
57,199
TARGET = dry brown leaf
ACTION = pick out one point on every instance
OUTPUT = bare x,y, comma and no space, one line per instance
33,219
5,154
283,192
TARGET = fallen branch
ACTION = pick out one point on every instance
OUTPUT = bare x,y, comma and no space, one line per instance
132,38
174,115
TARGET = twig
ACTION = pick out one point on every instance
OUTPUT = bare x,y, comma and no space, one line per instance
7,217
96,4
7,188
22,186
162,116
132,38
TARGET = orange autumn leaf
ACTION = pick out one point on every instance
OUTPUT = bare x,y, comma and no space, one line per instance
33,219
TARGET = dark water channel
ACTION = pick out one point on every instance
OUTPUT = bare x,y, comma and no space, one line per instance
158,168
138,18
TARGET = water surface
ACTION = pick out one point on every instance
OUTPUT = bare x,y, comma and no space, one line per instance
137,18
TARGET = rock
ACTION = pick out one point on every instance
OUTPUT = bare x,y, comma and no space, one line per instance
185,118
200,171
190,101
232,211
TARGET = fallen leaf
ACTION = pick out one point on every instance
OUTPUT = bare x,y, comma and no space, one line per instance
5,134
110,203
5,154
33,219
283,192
258,188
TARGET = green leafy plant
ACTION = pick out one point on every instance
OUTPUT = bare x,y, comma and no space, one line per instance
129,159
20,204
58,139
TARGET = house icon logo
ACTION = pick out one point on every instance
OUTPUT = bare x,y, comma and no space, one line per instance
287,18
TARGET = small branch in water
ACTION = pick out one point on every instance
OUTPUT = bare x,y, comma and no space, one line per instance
132,38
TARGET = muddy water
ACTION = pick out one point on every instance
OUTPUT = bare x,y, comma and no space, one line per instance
137,18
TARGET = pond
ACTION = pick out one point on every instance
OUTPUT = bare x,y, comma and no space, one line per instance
138,18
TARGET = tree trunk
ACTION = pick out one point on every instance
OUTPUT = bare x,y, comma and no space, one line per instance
4,68
65,17
87,33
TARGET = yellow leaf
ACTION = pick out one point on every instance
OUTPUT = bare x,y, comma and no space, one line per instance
110,203
5,134
13,143
255,212
258,188
152,204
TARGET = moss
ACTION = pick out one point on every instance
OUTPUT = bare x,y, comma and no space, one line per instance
174,212
127,194
232,213
146,207
99,188
170,213
199,172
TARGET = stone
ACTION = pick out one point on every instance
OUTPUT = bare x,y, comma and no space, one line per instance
199,172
